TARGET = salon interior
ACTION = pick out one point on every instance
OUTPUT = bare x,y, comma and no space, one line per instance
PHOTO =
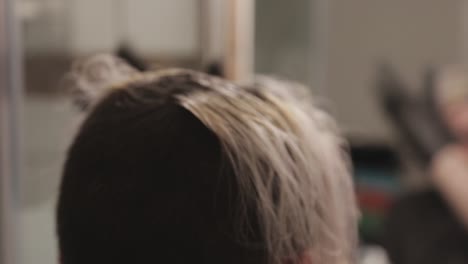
386,70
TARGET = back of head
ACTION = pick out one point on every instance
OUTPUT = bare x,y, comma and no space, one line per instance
181,167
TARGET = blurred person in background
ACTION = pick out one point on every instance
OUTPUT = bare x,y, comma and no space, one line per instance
177,166
431,226
449,168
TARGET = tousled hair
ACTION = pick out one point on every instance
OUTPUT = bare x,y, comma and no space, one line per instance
272,181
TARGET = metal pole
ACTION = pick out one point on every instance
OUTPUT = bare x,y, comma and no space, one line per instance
10,92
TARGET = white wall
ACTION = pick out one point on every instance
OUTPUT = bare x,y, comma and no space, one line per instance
409,34
91,26
164,27
155,27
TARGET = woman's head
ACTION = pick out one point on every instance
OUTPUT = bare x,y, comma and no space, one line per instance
181,167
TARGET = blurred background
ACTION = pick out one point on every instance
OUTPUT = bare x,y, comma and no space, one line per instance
354,55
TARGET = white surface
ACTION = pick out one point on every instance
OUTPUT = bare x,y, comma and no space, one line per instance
374,255
155,27
49,124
